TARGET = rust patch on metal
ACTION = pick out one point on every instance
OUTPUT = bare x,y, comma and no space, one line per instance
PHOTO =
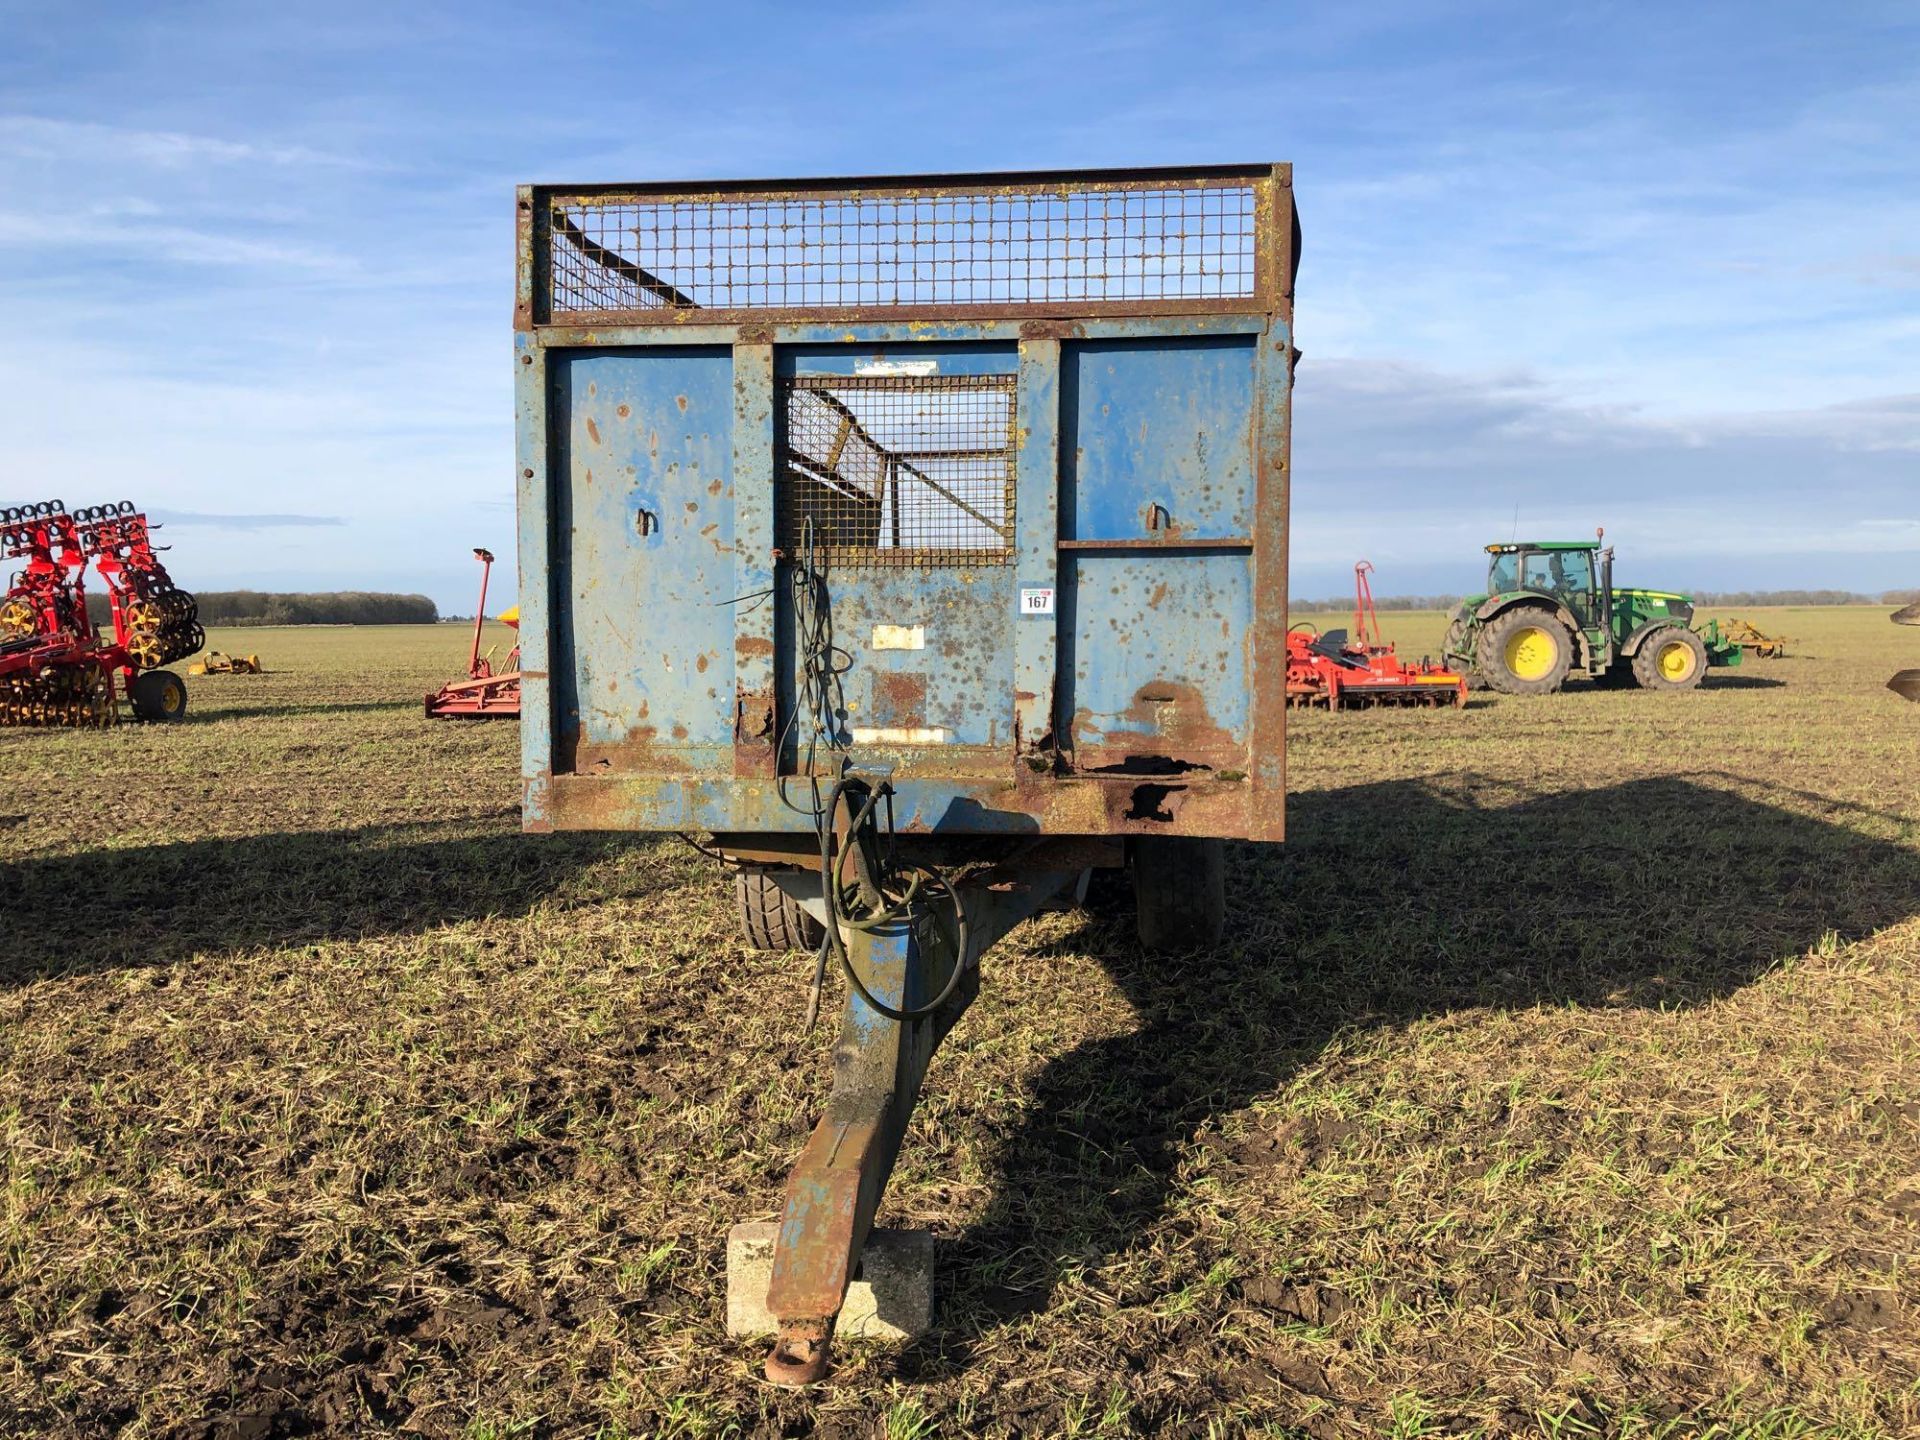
623,411
606,799
753,727
1168,724
752,645
638,752
593,431
900,699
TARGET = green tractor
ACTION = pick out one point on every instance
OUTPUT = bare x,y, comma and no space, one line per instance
1551,609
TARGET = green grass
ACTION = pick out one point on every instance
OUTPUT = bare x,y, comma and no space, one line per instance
1558,1077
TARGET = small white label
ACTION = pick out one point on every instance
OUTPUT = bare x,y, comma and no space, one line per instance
897,367
1037,602
899,735
899,637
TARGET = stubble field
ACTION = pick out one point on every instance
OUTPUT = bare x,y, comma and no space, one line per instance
1560,1076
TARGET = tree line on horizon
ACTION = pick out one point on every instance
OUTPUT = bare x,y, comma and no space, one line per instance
326,607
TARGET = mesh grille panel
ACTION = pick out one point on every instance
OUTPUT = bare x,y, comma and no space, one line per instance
898,470
1059,246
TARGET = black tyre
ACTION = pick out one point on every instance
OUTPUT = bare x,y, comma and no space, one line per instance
771,919
1525,651
1671,658
158,695
1179,892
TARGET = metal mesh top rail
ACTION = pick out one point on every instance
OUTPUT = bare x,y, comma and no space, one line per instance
1172,244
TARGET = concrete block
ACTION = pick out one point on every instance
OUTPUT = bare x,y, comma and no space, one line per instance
891,1297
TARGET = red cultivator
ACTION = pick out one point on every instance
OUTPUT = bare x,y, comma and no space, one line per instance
1336,669
56,667
486,693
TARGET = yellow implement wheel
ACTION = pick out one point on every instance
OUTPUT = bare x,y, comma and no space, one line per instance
145,650
16,618
158,695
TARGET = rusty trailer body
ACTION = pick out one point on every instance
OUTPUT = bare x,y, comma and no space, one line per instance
962,498
1043,421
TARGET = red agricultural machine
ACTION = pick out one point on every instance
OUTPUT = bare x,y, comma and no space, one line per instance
1337,669
57,667
486,693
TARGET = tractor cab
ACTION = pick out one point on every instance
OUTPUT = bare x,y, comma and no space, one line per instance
1576,573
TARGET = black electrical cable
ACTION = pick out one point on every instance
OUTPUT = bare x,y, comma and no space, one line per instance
822,701
821,698
707,850
890,910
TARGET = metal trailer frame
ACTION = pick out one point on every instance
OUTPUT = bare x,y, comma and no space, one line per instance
662,334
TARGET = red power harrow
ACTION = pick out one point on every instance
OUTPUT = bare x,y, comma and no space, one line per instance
1358,669
486,693
57,668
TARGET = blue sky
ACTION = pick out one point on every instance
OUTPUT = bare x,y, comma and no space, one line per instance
1655,267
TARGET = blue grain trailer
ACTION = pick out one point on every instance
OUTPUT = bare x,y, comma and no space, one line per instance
923,541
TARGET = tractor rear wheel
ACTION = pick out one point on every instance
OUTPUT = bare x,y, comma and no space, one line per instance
1671,658
771,919
158,695
1179,892
1526,651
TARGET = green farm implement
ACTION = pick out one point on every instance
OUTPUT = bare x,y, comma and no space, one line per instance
1551,609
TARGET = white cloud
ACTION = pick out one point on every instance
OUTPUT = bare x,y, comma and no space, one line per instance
57,235
80,142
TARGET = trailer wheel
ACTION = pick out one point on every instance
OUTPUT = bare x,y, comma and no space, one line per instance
1525,651
1671,658
771,919
158,695
1179,892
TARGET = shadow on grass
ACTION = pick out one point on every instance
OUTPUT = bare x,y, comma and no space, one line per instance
158,904
1716,680
227,706
1392,902
1741,682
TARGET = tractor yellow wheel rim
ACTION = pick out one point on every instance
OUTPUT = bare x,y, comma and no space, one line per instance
1676,661
1531,653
